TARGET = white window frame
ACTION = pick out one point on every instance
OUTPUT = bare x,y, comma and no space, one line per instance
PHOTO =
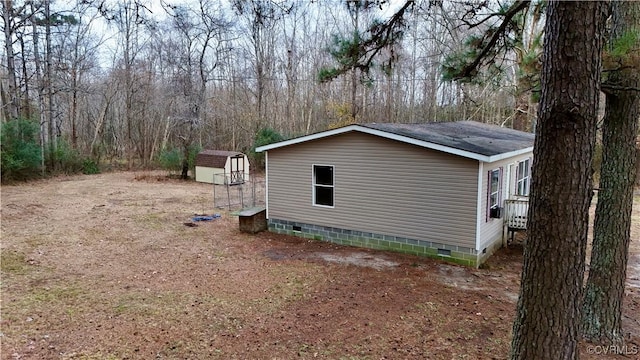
332,186
523,177
497,192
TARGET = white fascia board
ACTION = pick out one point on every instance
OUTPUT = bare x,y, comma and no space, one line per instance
426,144
301,139
508,154
387,135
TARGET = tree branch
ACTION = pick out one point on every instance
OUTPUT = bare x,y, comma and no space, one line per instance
471,68
383,36
609,88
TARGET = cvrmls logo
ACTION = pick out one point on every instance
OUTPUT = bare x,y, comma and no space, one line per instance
613,350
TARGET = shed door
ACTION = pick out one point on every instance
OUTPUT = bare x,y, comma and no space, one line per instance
237,169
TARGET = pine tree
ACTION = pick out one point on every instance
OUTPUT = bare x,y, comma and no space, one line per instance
604,293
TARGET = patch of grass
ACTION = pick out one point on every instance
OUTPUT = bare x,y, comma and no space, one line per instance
95,356
216,314
428,307
361,352
13,262
291,288
306,351
56,301
64,295
154,221
35,241
120,308
146,305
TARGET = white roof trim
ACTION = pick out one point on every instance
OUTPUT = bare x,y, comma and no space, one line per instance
509,154
387,135
297,140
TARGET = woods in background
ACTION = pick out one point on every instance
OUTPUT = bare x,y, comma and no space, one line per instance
121,82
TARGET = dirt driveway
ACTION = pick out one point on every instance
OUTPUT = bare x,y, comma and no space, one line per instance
103,267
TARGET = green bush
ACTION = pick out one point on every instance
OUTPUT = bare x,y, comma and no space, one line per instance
264,136
20,154
170,160
67,159
90,167
193,151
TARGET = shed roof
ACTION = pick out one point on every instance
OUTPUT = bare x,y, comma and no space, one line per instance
464,138
215,158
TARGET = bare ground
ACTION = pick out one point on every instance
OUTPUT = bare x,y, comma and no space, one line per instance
103,267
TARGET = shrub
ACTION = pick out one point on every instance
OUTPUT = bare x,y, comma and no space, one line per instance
67,159
90,167
264,136
193,151
20,154
170,160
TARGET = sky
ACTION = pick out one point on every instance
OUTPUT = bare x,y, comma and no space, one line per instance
108,32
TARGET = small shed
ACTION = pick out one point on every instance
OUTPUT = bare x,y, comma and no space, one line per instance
432,189
222,167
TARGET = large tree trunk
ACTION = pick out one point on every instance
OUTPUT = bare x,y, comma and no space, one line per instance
605,286
611,233
548,312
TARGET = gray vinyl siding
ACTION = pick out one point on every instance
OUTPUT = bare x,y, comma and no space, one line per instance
491,229
381,186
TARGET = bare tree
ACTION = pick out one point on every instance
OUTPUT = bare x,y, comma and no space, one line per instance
75,57
261,17
200,44
129,17
10,93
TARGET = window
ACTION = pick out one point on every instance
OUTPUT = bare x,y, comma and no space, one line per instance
523,176
323,185
493,205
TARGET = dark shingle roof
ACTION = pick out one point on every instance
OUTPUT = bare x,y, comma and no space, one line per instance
214,158
469,139
468,136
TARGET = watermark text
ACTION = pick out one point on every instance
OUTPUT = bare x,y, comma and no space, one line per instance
613,349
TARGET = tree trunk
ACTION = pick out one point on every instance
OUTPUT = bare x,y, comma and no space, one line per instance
53,130
12,91
521,117
185,158
602,308
73,112
185,170
40,90
548,312
605,286
24,110
637,163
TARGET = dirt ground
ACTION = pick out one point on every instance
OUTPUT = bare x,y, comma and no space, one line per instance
103,267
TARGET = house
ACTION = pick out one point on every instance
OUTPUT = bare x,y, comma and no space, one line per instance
222,167
432,189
